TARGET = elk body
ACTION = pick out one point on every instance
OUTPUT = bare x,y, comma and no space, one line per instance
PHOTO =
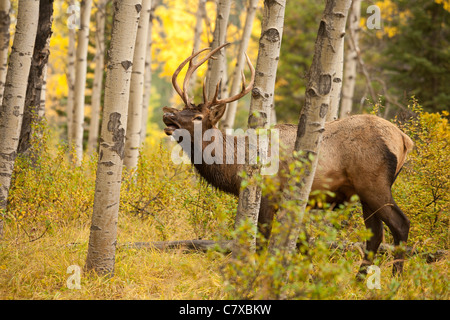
362,155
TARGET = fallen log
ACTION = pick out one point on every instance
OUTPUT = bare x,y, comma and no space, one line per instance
189,245
226,246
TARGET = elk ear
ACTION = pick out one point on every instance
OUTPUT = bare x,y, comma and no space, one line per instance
170,110
216,113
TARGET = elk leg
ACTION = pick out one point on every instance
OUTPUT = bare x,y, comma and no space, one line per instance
399,224
372,222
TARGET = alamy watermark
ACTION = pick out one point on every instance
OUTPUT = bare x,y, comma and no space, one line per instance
74,281
374,279
73,22
259,146
373,21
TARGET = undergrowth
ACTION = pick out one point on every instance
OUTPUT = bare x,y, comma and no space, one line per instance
50,205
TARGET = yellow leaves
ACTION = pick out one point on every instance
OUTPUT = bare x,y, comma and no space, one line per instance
173,36
445,4
57,85
389,14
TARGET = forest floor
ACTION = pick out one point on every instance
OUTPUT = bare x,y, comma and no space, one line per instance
47,234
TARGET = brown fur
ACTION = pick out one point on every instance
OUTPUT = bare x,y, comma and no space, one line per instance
359,155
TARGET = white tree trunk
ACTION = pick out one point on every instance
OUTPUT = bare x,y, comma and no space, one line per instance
96,98
261,105
336,85
70,81
147,74
11,111
215,67
103,234
5,20
80,80
351,61
230,114
199,17
133,137
37,76
312,120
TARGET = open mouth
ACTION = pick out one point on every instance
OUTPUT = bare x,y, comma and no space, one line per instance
171,126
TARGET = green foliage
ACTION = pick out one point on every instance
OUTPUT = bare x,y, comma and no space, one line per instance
423,188
306,273
324,265
48,220
417,57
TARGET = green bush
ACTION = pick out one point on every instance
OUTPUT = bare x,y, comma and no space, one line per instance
422,189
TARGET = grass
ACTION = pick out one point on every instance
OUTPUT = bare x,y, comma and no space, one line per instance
38,270
48,220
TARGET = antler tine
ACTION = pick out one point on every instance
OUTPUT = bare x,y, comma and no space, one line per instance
243,92
183,93
193,67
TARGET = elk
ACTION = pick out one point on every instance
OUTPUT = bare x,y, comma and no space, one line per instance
361,154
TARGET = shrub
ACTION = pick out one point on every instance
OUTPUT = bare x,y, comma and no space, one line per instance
422,189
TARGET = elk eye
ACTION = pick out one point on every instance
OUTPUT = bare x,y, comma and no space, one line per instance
198,118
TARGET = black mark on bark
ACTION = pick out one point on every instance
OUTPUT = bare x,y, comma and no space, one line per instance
301,126
323,110
126,64
324,84
118,134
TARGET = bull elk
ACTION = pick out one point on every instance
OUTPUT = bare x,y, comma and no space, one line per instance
361,154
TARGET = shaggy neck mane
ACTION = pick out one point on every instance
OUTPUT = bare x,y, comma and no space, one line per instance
220,174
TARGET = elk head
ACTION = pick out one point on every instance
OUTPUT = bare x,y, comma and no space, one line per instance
210,111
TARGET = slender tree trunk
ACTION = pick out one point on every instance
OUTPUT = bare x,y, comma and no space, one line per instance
5,20
36,79
11,111
147,74
80,80
96,99
336,85
261,104
230,114
133,137
103,234
70,81
215,67
199,17
312,120
43,100
351,62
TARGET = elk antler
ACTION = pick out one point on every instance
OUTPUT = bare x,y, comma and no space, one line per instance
191,69
244,91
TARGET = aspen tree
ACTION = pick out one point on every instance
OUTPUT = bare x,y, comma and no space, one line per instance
216,70
198,30
230,113
11,110
351,61
34,109
103,233
312,120
80,80
70,76
134,123
96,98
261,104
5,20
147,73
